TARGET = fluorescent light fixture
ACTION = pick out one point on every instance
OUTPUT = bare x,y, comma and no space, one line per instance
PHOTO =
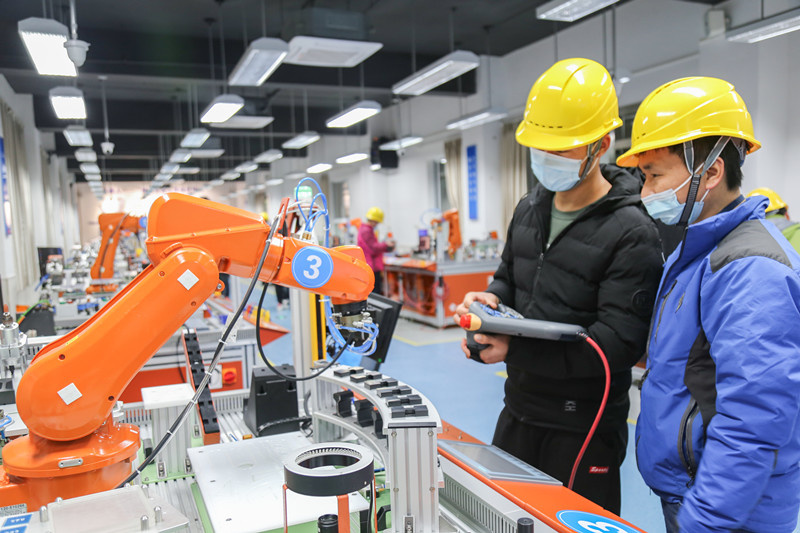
77,136
274,181
247,166
162,176
86,155
188,170
354,114
322,52
92,177
222,108
260,187
440,71
195,139
301,140
244,122
44,39
766,28
207,153
319,167
351,158
269,156
230,175
216,183
170,168
399,144
295,175
90,168
260,60
375,166
177,181
68,103
476,119
181,155
570,10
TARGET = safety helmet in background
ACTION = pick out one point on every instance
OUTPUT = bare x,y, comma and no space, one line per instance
775,201
375,214
572,104
687,109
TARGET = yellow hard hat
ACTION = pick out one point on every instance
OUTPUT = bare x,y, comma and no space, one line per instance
375,214
688,109
775,201
572,104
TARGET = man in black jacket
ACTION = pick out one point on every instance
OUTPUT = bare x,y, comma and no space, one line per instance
582,250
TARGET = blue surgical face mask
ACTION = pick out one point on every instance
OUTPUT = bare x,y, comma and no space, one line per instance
665,206
554,172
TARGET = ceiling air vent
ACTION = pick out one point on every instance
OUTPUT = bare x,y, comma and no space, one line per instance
322,52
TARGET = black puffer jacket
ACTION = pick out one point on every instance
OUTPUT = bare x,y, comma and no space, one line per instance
601,272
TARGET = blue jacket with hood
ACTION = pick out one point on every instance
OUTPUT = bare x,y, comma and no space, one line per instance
721,395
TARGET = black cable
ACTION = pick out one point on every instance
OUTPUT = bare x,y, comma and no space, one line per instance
214,360
271,366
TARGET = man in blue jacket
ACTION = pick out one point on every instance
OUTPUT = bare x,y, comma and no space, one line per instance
718,437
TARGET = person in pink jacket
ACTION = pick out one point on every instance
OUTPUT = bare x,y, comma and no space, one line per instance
374,249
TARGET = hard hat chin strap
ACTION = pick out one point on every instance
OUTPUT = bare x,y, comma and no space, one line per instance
593,151
697,174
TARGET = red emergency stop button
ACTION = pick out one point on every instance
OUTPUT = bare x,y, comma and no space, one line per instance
229,376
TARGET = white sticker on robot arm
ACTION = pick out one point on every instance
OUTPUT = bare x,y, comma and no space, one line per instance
70,393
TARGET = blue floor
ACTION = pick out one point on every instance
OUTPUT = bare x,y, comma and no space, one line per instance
470,396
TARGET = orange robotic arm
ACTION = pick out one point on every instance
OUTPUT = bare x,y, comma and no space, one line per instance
67,394
111,227
454,231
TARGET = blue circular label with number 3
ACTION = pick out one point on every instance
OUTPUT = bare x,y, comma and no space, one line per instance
312,267
591,523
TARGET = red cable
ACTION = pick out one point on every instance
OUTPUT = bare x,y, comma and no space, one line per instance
602,408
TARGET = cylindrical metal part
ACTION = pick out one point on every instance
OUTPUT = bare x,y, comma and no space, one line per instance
328,523
9,333
525,525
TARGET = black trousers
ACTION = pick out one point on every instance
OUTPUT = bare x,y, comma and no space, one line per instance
378,289
554,451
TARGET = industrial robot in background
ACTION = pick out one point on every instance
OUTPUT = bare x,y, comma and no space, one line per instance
66,398
112,227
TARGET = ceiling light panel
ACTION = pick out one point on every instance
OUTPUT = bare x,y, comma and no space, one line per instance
195,138
318,168
475,119
274,181
259,61
86,155
92,177
181,155
216,183
230,175
301,140
351,158
68,103
244,122
440,71
767,28
188,170
247,166
222,108
570,10
89,168
207,153
269,156
399,144
322,52
169,168
44,39
354,114
77,136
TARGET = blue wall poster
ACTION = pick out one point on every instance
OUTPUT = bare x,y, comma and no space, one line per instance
472,181
4,190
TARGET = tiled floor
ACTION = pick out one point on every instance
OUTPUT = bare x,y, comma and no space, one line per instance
470,396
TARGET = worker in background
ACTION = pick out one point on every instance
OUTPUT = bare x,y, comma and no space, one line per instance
777,213
718,437
580,249
374,249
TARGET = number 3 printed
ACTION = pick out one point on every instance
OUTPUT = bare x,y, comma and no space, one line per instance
314,262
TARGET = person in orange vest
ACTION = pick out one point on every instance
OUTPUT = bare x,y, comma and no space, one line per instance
373,248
